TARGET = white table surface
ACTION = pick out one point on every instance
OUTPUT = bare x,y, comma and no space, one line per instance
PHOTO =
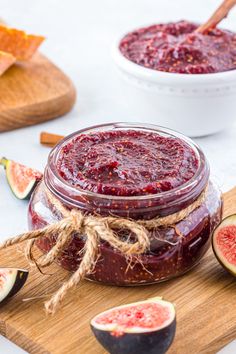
79,34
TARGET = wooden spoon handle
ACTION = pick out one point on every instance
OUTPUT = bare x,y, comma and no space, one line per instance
218,16
49,139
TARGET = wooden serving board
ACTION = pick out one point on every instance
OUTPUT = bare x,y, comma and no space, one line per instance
33,92
205,299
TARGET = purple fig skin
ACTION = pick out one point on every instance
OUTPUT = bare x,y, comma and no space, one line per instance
33,180
156,342
229,220
16,285
132,340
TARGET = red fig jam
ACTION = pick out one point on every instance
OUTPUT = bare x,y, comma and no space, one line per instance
177,48
139,172
126,162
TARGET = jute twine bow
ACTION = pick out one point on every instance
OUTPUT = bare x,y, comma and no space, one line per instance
95,229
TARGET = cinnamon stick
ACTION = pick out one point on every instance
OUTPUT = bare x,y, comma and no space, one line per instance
49,139
217,16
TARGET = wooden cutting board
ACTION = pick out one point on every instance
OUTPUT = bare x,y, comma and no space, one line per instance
205,299
33,92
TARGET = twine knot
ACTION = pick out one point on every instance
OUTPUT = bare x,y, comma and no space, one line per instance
77,220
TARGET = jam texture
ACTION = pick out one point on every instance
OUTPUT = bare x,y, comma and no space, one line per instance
127,162
176,48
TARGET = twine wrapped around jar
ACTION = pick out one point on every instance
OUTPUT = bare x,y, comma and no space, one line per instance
95,229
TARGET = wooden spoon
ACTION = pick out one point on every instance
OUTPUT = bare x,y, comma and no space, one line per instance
218,16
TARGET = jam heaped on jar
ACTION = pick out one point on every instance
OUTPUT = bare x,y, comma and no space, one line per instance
134,171
126,162
176,48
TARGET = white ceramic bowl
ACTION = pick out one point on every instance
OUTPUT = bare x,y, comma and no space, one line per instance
195,105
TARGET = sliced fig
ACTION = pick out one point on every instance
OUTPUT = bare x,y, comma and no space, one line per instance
138,328
21,179
11,281
224,243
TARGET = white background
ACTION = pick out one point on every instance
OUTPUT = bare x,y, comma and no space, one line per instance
79,35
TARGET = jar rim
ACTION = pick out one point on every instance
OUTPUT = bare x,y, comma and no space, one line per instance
51,169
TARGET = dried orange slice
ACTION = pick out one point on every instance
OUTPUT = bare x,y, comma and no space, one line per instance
6,60
18,43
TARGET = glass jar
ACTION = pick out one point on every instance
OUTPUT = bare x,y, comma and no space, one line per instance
174,249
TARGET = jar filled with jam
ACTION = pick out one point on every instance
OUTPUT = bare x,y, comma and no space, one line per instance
135,171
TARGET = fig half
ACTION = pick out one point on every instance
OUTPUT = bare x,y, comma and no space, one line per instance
11,281
224,243
138,328
21,179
